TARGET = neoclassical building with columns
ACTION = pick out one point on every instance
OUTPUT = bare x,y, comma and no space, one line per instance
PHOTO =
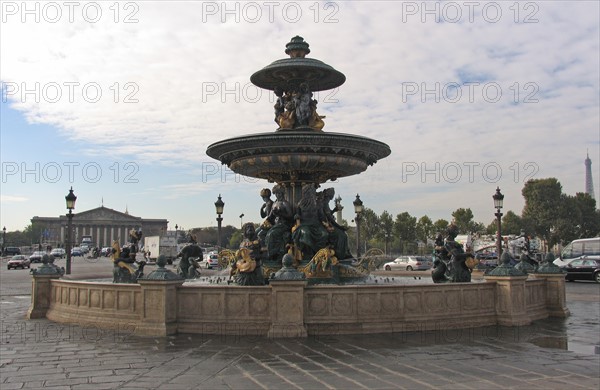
104,225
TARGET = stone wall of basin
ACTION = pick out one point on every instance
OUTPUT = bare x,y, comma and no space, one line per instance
293,309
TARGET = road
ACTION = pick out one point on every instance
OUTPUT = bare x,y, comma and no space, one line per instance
553,353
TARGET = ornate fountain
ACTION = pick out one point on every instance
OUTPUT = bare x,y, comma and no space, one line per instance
299,157
299,244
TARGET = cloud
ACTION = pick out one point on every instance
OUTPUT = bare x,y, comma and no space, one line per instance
178,80
12,198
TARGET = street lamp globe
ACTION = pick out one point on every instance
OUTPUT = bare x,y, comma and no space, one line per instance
219,204
358,205
70,198
498,199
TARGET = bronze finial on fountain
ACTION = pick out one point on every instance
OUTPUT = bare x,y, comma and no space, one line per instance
297,48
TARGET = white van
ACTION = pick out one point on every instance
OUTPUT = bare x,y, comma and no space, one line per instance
585,247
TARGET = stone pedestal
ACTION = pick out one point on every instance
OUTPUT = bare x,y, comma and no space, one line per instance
556,301
287,309
41,292
159,307
511,306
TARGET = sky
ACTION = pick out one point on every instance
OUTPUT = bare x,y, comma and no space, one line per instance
119,100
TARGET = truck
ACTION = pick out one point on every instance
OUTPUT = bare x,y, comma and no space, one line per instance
87,243
155,246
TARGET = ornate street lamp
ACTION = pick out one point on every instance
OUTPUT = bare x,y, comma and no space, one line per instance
219,204
358,209
498,203
3,240
70,198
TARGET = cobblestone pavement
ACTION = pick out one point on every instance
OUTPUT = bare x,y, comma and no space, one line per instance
550,354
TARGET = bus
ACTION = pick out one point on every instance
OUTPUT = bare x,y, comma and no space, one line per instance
588,247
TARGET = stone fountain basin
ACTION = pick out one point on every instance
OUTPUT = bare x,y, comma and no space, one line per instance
299,155
295,309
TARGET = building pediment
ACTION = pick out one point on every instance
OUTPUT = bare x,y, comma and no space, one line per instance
105,214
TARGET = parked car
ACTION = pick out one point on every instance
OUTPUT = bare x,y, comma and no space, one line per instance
12,250
18,261
409,263
211,260
583,269
36,257
58,253
487,260
76,251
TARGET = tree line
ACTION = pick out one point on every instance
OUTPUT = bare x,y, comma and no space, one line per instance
549,214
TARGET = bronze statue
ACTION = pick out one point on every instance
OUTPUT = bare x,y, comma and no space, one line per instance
265,211
280,218
188,265
309,234
459,263
247,269
337,233
125,269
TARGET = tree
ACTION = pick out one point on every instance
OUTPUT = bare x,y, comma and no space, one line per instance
542,200
405,228
387,225
235,240
369,228
463,218
440,226
511,223
589,217
425,228
565,228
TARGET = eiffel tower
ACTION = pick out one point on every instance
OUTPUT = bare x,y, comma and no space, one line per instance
589,185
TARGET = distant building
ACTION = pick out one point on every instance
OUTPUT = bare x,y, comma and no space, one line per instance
102,223
589,184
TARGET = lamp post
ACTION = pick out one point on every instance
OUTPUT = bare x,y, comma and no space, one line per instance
387,236
241,220
3,240
70,198
498,203
358,209
219,204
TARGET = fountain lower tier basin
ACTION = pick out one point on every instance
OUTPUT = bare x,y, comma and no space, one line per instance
298,155
295,309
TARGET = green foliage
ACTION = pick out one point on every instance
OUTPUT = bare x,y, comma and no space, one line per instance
440,226
463,218
235,239
512,223
588,224
387,225
542,200
405,229
369,225
425,228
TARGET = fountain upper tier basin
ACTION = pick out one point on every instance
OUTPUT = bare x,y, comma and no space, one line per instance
291,72
298,155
